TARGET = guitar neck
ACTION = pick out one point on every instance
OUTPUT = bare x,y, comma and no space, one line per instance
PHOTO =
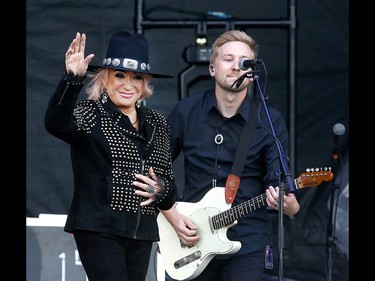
229,216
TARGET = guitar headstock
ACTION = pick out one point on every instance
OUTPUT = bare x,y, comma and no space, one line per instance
313,177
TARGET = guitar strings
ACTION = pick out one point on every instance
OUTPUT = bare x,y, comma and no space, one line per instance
228,216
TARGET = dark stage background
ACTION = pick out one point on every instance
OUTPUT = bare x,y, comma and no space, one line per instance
307,60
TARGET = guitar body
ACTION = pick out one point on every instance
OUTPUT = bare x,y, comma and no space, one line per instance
186,263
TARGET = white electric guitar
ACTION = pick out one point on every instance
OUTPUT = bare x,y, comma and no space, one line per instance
213,216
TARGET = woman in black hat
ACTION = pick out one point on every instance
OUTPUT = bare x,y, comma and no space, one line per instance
120,156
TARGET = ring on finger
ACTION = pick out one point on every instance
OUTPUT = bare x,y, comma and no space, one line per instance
150,189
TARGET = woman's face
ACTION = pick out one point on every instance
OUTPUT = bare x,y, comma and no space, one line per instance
124,87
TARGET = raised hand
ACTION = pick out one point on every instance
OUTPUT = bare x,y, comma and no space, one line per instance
75,60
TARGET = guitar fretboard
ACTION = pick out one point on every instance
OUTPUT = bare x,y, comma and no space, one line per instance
227,217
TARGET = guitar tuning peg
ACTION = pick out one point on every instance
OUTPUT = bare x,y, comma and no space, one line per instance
316,169
308,170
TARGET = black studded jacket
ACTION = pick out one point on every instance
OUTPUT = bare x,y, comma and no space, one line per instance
106,152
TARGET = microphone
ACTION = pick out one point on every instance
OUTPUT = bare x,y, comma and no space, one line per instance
338,130
245,64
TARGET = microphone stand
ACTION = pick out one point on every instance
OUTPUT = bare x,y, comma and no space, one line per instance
281,233
331,227
288,178
283,161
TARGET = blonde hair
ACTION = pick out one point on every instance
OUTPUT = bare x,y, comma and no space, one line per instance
233,35
98,80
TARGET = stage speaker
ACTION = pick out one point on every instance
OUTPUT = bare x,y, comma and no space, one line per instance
52,254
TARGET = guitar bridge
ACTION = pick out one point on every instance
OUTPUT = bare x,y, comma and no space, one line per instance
188,259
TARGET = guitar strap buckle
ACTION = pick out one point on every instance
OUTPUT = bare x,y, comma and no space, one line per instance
231,187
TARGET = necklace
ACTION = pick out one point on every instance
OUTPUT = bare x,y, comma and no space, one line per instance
136,119
219,138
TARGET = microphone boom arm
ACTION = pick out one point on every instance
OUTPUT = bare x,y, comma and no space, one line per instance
248,74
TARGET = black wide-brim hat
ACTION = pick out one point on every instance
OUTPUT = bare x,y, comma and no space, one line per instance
129,52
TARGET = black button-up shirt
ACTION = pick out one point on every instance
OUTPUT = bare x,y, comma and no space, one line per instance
194,122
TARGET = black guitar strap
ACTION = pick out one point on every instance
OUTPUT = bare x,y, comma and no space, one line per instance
233,181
